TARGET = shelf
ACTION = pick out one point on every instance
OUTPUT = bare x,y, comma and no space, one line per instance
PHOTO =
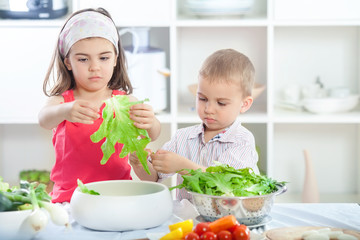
221,23
59,22
315,23
296,117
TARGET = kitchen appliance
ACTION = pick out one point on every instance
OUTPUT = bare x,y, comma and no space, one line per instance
33,9
147,68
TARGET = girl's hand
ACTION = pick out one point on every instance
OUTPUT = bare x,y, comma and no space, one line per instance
143,116
81,111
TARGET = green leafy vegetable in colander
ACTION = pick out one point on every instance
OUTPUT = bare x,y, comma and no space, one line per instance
118,127
223,180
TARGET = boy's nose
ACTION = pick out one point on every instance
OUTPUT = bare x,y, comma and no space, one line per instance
209,107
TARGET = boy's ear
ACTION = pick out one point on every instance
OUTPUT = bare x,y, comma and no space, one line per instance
247,102
67,63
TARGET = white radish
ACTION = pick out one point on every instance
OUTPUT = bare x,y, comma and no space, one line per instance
37,220
346,237
59,215
34,223
334,234
317,236
324,230
308,233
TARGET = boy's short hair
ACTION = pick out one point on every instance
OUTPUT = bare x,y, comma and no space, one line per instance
229,65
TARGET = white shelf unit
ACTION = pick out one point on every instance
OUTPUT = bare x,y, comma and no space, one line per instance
284,46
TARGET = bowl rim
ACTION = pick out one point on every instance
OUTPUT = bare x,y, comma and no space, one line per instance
281,189
16,211
351,97
77,189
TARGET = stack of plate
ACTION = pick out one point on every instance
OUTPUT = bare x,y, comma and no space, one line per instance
218,7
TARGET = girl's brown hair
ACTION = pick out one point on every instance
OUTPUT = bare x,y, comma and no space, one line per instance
64,79
228,65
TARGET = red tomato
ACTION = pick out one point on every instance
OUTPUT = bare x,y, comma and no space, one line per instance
241,232
192,236
233,227
201,228
224,235
208,236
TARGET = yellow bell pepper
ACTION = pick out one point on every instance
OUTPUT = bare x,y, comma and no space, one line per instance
173,235
186,226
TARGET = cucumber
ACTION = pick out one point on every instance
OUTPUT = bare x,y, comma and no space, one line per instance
5,203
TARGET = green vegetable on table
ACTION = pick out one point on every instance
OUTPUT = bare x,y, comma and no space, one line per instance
118,127
41,176
18,198
84,189
223,180
32,196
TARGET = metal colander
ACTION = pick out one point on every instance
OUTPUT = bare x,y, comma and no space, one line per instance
247,210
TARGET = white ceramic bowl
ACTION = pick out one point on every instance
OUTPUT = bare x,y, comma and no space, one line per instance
218,7
122,205
331,104
11,221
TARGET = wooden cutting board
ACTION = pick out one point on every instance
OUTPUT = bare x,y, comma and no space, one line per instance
295,233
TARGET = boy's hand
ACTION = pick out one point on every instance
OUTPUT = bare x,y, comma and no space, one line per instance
134,160
168,162
143,116
82,112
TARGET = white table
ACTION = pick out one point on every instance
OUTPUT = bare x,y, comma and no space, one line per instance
341,215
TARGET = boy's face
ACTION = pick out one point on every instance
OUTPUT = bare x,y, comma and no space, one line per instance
219,104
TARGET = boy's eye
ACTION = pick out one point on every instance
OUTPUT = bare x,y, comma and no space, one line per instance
222,104
202,99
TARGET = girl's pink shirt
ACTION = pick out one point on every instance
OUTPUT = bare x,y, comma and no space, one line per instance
77,157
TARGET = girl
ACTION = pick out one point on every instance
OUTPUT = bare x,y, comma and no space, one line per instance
90,68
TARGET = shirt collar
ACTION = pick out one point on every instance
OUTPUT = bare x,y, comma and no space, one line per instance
224,136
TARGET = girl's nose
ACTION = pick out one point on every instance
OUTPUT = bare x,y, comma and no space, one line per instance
94,66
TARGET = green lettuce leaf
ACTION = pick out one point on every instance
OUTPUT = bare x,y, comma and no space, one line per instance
223,180
118,127
4,186
84,189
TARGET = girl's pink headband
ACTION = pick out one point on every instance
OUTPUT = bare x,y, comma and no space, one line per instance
85,25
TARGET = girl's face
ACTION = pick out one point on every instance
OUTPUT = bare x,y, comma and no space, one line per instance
92,63
219,104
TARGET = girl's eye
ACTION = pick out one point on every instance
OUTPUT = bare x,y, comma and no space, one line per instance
82,59
222,104
104,58
201,99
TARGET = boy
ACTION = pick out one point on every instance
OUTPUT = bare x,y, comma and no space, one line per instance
225,83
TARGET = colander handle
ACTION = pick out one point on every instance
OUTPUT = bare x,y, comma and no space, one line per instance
282,190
